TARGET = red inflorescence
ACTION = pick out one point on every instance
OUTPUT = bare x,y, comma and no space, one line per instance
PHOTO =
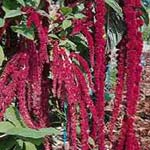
119,85
133,21
27,74
84,28
76,91
99,69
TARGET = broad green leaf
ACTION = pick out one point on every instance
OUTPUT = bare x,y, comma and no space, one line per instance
7,143
54,36
145,15
68,44
81,7
21,2
70,17
2,22
19,144
25,132
12,13
37,2
12,115
66,24
35,141
29,146
79,16
49,131
10,4
24,31
79,40
2,56
5,126
72,45
63,42
66,10
115,6
31,133
32,3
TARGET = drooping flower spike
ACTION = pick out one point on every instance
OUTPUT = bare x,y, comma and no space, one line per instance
131,9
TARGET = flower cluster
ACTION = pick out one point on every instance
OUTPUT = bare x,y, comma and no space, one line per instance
25,77
119,86
71,86
84,26
99,67
133,21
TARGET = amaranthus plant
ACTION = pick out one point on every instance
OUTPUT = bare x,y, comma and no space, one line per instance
57,53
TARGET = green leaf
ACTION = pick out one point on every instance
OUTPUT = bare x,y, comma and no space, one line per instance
91,141
2,22
12,115
108,97
66,10
30,146
49,131
35,141
19,145
63,42
66,24
37,2
2,56
115,6
68,44
24,31
25,132
145,15
78,130
81,7
54,36
10,4
5,126
79,16
79,40
32,3
12,13
72,45
21,2
7,143
31,133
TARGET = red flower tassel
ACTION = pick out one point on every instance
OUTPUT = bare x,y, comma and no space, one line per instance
99,69
133,76
119,86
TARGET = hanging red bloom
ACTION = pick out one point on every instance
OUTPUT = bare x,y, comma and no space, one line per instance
128,141
99,69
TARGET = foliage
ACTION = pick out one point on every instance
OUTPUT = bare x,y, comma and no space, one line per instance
19,136
146,3
146,34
